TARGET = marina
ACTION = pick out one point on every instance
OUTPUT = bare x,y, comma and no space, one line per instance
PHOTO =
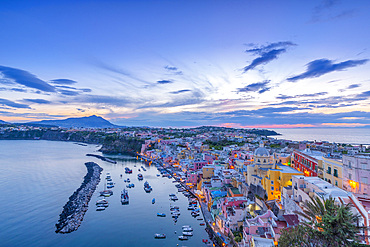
57,185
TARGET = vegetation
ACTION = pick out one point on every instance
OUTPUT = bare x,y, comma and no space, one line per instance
327,224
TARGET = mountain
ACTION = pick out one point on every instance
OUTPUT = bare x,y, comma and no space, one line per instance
2,122
83,122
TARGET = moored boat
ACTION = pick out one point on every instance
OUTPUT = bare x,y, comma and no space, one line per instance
161,214
106,193
187,233
159,235
140,176
124,196
183,238
153,200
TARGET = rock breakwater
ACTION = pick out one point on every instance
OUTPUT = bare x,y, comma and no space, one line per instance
74,210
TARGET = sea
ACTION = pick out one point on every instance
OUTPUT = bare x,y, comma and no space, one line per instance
337,135
37,177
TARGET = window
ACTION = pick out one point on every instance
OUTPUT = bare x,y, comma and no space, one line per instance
350,176
350,164
329,170
272,187
335,173
272,182
364,180
364,166
336,182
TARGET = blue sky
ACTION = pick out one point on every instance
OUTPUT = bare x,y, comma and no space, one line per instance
178,63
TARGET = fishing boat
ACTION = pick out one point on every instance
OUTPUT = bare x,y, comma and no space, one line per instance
106,193
102,203
147,187
187,233
161,214
183,238
124,196
100,208
153,200
159,235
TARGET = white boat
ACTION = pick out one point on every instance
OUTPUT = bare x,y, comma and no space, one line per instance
187,233
187,229
183,238
159,235
102,203
186,226
100,208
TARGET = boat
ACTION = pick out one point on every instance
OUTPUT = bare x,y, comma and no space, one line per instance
191,208
186,226
109,186
147,187
159,235
187,229
187,233
140,176
124,196
128,180
202,224
106,193
194,214
128,170
102,203
153,201
174,198
158,175
161,214
183,238
100,208
199,219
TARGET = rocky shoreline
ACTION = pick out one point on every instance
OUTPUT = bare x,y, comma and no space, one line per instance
74,210
102,158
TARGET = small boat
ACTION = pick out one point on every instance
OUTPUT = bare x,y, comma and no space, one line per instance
153,201
161,214
159,235
100,208
102,203
140,176
106,193
128,180
187,233
109,186
186,226
124,196
199,219
187,229
158,175
194,214
202,224
183,238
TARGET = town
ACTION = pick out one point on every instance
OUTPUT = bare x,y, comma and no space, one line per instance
251,187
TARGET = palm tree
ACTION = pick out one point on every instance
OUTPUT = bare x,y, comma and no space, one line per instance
333,224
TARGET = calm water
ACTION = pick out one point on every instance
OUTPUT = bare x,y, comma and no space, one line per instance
37,178
338,135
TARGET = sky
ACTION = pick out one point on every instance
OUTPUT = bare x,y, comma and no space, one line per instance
187,63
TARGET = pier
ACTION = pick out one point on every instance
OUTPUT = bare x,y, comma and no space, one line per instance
74,210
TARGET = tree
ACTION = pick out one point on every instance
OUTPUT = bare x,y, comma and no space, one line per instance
327,224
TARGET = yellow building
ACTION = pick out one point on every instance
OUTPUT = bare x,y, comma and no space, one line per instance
332,171
276,179
208,172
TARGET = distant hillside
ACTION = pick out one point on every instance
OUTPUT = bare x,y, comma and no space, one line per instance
2,122
83,122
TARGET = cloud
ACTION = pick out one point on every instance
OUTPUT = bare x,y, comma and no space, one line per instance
282,96
20,90
173,70
105,100
165,81
71,91
180,91
353,86
63,81
321,67
25,78
259,87
363,95
13,104
38,101
267,53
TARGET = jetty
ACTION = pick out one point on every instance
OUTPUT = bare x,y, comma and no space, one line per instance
74,210
102,158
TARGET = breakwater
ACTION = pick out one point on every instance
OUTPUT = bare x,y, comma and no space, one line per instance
74,210
102,158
